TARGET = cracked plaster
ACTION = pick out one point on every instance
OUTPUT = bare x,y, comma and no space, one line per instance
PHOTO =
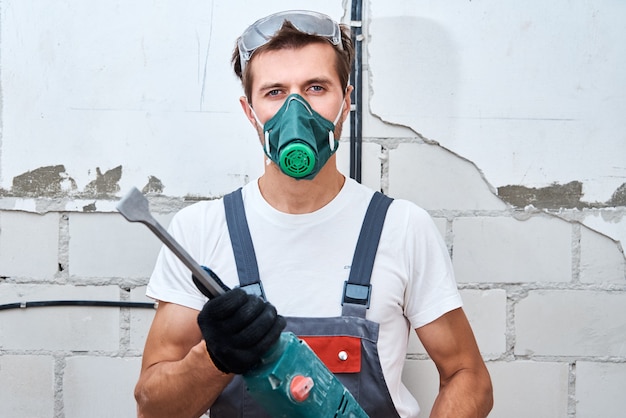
481,81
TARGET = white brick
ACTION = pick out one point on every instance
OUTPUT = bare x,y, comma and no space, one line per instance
422,380
601,261
486,312
106,245
27,386
507,250
140,319
434,178
415,345
100,387
571,323
524,389
59,328
370,163
600,390
29,245
441,224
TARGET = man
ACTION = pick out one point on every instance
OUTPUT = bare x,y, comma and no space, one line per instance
302,219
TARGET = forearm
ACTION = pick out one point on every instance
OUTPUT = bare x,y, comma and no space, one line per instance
468,394
184,388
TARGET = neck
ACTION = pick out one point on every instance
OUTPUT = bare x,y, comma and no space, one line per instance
293,196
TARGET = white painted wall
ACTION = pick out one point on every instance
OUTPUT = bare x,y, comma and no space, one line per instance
532,92
142,84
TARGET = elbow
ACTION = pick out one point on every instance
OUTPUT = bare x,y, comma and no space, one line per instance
141,397
487,394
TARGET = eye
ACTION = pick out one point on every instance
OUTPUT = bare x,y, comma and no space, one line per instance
274,92
316,89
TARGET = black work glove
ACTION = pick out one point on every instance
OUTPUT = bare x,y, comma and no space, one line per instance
238,329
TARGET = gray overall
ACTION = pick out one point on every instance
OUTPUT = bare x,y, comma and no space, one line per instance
367,385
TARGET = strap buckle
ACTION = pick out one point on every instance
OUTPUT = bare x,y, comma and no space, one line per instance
255,289
357,294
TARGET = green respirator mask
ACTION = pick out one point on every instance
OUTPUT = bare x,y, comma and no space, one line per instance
298,139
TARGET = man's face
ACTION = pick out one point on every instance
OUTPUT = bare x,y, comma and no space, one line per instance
309,71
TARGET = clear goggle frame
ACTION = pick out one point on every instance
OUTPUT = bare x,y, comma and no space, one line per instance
309,22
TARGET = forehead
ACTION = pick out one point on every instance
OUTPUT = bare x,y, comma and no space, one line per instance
294,64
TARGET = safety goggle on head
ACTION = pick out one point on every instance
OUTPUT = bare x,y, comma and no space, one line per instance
306,21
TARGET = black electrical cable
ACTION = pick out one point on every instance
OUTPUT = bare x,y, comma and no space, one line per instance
356,114
93,303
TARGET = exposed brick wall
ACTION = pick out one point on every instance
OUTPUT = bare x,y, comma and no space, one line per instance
545,297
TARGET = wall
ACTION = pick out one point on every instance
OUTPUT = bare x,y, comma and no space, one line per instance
501,120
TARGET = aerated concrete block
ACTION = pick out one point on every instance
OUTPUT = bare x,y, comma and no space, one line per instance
106,245
74,328
370,163
140,319
486,312
505,250
422,380
601,260
29,245
571,323
600,390
100,387
524,389
27,386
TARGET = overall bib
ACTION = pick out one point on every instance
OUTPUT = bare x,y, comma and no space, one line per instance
347,344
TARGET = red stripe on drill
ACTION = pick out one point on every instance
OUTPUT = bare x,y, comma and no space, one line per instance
339,354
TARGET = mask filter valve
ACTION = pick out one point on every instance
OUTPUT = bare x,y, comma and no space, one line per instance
297,159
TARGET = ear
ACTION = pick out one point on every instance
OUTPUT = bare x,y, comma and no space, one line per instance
347,103
243,101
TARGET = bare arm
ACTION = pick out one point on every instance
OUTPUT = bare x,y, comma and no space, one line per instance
178,378
465,386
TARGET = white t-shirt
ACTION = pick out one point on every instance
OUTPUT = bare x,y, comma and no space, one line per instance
305,259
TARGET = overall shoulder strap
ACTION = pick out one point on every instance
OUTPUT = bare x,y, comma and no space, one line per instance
245,258
357,290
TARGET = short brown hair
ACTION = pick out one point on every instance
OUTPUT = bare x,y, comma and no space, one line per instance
290,37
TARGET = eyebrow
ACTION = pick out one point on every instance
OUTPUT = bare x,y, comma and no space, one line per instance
319,80
270,86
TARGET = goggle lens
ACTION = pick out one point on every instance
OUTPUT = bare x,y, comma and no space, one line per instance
309,22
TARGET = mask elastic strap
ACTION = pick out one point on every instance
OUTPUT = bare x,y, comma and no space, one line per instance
266,141
331,134
331,142
343,103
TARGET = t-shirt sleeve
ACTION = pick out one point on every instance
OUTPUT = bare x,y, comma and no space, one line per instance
171,279
432,289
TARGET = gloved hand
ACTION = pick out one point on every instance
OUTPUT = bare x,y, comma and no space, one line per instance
238,329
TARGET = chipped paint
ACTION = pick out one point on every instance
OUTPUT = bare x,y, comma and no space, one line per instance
154,186
54,181
105,184
51,189
46,181
557,196
619,197
91,207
